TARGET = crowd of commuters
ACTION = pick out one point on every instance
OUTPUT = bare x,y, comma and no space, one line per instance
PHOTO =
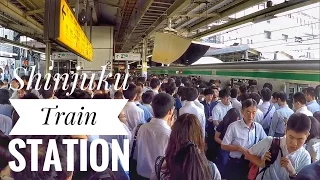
185,128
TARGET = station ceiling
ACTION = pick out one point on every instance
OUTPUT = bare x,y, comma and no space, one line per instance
134,19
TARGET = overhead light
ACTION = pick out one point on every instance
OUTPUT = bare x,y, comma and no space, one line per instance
10,44
38,51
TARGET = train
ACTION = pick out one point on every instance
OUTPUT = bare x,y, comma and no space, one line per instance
290,76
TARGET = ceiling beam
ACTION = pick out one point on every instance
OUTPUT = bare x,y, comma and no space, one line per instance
37,11
268,12
20,16
226,13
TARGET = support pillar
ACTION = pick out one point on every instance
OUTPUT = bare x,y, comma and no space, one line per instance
48,59
144,58
127,67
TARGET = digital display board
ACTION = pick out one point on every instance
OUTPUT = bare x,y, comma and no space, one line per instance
62,27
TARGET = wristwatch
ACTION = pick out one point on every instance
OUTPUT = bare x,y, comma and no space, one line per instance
293,177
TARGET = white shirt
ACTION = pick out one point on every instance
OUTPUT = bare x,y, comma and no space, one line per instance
313,106
120,138
236,104
313,147
304,110
155,92
219,111
299,159
134,114
264,107
239,134
259,116
198,103
149,107
5,124
191,108
152,141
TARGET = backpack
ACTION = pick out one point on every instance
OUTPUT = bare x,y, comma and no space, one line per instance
274,149
158,166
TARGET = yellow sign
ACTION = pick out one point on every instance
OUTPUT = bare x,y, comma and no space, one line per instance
71,34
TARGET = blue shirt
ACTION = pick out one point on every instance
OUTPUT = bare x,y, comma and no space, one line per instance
310,172
278,120
147,113
313,106
208,108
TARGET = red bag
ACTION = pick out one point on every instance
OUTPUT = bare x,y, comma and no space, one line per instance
253,172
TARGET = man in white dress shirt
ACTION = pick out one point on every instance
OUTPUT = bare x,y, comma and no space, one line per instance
267,108
299,104
134,114
153,137
259,114
234,101
155,85
191,108
292,156
312,103
221,109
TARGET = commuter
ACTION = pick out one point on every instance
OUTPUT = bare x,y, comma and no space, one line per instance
182,91
118,95
152,138
222,155
234,101
191,108
240,136
178,83
243,93
299,103
274,100
146,112
317,115
163,87
310,94
267,108
142,80
23,91
290,158
5,105
101,96
259,113
147,99
268,85
184,157
134,114
221,109
313,140
47,93
26,82
199,98
280,116
310,172
155,85
14,84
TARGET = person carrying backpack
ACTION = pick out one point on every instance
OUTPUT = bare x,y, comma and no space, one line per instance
282,158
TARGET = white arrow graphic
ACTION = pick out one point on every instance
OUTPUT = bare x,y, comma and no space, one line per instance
68,117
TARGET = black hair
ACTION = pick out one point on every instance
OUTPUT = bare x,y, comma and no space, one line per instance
192,94
266,94
252,82
208,91
243,89
118,95
299,123
310,91
224,93
154,83
232,115
147,97
275,95
299,97
234,93
268,85
163,87
130,92
5,155
282,96
317,115
30,96
171,80
141,80
162,103
178,82
4,96
182,91
248,103
315,128
255,96
171,88
47,94
253,88
101,96
78,94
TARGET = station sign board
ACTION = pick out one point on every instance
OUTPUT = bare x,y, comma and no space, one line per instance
127,57
62,27
63,56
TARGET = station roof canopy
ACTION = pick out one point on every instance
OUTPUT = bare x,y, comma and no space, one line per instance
136,19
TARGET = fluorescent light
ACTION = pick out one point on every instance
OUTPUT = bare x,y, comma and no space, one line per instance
16,45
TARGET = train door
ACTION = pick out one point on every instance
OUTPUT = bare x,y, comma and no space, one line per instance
293,88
